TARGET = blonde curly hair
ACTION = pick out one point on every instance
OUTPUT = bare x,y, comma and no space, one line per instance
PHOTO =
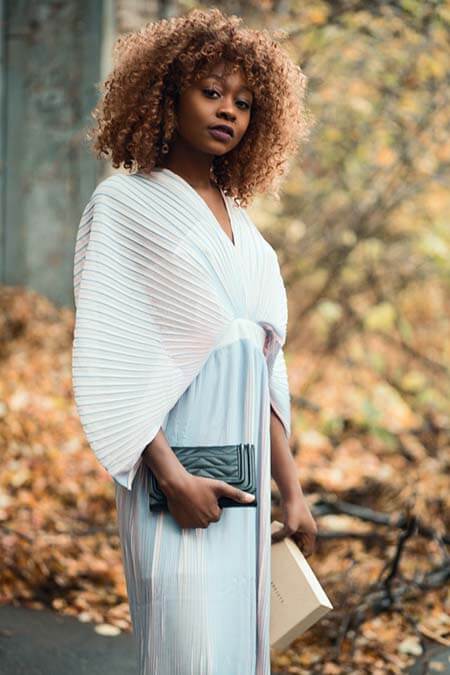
136,112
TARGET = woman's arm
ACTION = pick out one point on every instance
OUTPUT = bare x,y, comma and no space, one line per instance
160,458
192,500
298,521
284,468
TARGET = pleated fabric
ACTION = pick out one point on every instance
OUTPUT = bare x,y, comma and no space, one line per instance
178,328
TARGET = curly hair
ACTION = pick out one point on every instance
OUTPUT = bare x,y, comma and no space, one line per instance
152,66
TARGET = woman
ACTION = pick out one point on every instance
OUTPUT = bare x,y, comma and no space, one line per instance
180,324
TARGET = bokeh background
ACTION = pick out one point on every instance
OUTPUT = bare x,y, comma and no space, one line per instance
363,238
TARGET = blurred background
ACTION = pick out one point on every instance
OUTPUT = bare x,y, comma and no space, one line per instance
363,238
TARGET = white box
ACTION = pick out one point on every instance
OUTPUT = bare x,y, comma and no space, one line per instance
297,598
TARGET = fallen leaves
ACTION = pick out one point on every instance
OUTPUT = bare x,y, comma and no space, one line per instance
59,542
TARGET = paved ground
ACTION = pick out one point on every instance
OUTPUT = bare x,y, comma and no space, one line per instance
40,642
43,643
435,660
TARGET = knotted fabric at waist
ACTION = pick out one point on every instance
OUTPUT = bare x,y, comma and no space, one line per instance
242,328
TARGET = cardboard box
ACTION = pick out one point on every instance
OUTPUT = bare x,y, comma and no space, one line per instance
297,598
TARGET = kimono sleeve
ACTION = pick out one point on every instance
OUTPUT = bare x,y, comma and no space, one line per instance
280,398
138,317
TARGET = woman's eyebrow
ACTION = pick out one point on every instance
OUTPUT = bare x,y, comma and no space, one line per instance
219,77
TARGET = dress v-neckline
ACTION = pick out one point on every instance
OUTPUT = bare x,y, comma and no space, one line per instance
232,242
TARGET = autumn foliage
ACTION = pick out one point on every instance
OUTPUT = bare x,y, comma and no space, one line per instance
363,240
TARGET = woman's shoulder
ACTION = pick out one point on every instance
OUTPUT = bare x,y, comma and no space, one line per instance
116,181
121,191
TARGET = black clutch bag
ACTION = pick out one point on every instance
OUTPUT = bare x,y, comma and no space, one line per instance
234,464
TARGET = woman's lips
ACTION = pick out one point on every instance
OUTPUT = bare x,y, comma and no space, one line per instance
219,134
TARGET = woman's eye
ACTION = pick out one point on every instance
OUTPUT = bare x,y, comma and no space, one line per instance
213,91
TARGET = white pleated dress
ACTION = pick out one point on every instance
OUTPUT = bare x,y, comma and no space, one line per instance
193,592
199,597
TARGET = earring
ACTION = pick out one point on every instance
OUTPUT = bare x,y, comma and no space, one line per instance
165,148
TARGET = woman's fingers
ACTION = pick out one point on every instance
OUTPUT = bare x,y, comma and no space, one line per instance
306,541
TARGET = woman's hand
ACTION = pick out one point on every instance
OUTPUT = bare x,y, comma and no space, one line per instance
193,502
298,524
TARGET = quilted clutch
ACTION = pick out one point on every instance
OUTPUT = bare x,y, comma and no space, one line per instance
233,464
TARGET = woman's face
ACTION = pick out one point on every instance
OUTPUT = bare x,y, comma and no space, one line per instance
216,99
